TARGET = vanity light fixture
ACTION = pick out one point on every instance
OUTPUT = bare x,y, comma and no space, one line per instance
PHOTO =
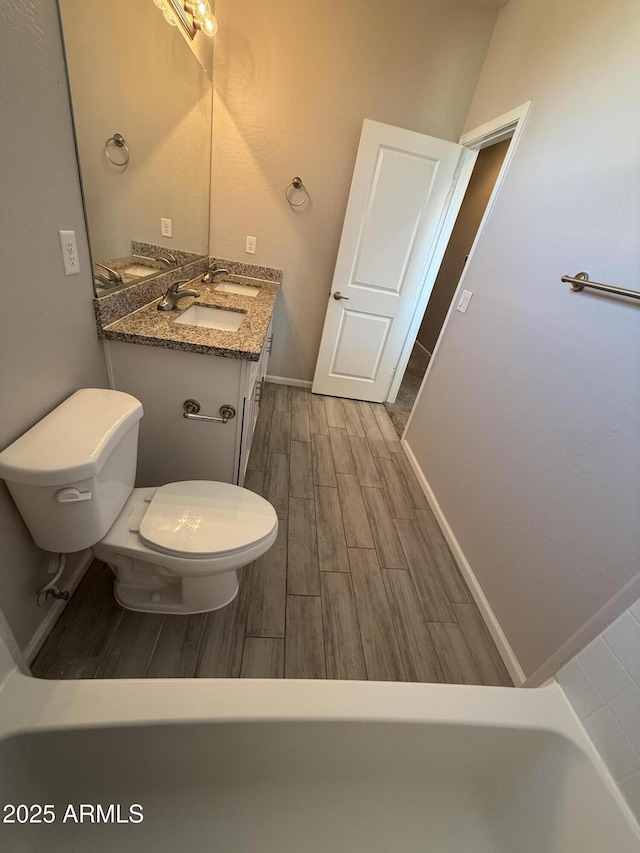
203,20
192,17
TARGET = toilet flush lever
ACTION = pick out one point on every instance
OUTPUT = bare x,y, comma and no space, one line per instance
192,407
71,496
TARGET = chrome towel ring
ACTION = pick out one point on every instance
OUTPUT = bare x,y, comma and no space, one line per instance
297,184
118,140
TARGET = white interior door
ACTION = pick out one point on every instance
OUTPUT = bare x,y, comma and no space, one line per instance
400,196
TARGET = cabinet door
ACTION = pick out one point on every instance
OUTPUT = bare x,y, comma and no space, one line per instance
266,352
254,377
172,448
249,418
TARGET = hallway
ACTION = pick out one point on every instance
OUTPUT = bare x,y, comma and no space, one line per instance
411,381
359,585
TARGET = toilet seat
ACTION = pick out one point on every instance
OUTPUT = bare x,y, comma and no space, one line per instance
181,573
202,519
124,539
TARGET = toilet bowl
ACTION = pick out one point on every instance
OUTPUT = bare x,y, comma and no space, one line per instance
176,549
173,549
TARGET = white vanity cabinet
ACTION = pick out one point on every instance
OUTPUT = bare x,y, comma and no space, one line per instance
171,447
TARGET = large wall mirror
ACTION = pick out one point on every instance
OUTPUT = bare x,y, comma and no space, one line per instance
142,112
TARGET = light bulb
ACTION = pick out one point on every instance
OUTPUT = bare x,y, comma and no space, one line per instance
169,17
210,25
199,9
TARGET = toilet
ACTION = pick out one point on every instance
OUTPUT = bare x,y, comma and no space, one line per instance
173,549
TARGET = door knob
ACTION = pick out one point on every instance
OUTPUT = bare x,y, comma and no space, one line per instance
338,295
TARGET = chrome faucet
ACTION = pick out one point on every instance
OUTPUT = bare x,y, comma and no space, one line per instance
167,259
174,295
112,276
212,273
103,280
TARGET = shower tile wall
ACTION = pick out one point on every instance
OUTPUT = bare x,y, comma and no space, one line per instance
603,685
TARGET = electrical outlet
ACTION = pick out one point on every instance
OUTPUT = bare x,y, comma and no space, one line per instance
166,227
250,246
463,302
69,252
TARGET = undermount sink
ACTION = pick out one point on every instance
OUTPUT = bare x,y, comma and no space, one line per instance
212,318
238,289
139,269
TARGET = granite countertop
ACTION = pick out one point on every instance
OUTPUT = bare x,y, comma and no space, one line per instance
143,255
121,264
149,326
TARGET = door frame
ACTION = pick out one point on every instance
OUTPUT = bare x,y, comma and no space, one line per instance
509,124
362,341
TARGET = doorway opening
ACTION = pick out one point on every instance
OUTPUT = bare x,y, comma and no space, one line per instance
406,193
480,188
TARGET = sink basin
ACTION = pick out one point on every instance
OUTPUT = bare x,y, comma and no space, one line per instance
238,289
212,318
139,269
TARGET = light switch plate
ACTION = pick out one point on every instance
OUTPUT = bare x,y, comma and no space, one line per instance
69,252
463,302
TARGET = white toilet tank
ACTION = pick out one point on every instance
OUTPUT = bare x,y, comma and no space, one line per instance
71,473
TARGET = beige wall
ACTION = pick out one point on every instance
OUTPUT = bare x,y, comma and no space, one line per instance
139,79
527,427
48,343
293,83
482,181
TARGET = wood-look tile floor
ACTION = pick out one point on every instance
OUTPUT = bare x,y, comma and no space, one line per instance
360,583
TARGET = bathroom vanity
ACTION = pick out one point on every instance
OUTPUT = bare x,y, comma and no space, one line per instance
212,349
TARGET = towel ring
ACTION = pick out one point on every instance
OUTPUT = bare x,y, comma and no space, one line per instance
297,184
118,140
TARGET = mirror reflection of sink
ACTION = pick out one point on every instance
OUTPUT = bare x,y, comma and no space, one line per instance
238,289
212,318
139,269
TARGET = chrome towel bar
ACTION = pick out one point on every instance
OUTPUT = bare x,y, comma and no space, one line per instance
581,280
192,407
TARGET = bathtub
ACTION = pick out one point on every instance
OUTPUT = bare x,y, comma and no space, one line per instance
303,766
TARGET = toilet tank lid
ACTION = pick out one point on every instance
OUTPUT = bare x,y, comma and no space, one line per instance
73,441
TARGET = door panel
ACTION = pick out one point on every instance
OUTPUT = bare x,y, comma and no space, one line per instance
400,191
360,345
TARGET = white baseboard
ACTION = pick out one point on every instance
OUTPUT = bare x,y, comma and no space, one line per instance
506,652
55,611
285,380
